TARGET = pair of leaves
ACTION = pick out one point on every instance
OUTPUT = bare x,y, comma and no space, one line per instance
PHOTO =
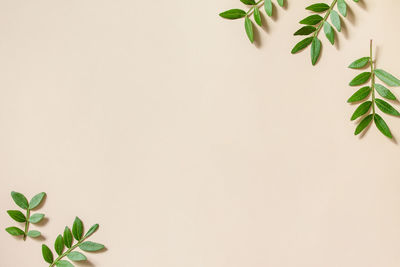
66,240
233,14
315,23
21,201
364,92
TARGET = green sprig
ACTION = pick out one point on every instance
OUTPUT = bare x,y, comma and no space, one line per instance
315,23
363,111
254,10
66,240
27,218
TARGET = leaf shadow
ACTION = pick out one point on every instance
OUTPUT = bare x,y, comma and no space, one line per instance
351,17
84,263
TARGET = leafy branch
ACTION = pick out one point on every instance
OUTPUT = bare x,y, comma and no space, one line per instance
314,24
362,94
67,240
18,216
253,10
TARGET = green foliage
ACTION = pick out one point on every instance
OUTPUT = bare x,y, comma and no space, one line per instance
22,202
364,109
66,244
318,22
254,10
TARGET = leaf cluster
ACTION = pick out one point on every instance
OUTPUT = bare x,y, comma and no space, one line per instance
314,23
66,244
254,10
26,218
367,111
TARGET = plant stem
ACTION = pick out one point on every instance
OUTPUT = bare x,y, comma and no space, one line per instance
67,252
251,10
28,215
372,78
328,12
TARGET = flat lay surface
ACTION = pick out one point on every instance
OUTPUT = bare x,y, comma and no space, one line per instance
190,146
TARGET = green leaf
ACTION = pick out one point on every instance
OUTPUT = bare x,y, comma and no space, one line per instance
34,233
76,256
20,200
360,63
36,218
361,79
382,126
233,14
312,20
91,246
17,215
384,92
386,107
63,263
302,44
77,229
257,16
387,78
248,2
315,50
47,254
248,25
281,2
306,30
329,32
320,7
15,231
363,124
36,200
342,7
59,245
268,7
360,94
92,230
67,237
335,19
361,110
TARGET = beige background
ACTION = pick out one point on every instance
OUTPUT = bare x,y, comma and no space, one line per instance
191,147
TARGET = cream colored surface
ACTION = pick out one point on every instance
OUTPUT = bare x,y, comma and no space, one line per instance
191,147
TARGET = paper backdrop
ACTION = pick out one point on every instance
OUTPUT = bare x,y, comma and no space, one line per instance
190,146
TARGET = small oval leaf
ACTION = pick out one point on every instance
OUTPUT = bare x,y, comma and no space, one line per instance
20,200
36,200
315,50
47,254
384,92
382,126
302,44
36,218
59,245
91,246
363,124
312,20
361,110
17,215
360,94
360,63
34,233
77,229
387,78
233,14
15,231
361,79
386,107
76,256
67,237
